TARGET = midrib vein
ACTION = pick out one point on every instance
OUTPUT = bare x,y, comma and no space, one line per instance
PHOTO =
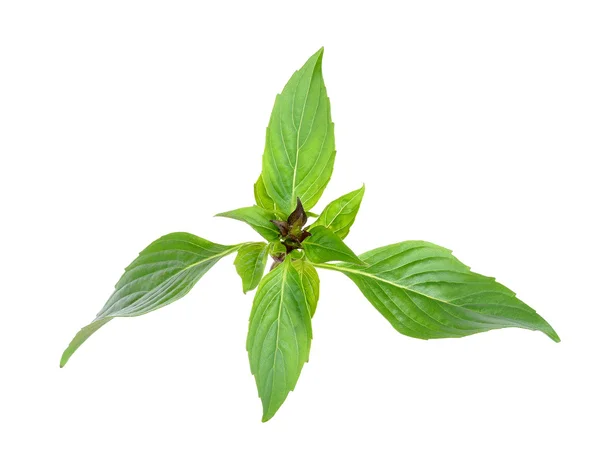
102,314
292,198
279,311
344,206
218,255
370,275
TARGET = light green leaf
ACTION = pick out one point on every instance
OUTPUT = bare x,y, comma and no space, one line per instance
250,264
276,248
258,218
279,335
300,146
164,271
324,246
261,196
339,214
310,283
425,292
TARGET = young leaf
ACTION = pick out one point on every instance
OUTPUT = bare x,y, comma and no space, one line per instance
298,217
300,146
250,264
425,292
164,271
324,246
339,215
279,335
258,218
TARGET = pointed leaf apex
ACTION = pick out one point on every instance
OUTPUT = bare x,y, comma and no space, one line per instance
551,333
298,217
319,56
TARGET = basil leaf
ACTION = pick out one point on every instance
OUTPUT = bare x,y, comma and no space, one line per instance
324,246
310,283
279,335
425,292
261,196
300,146
258,218
250,264
164,271
339,214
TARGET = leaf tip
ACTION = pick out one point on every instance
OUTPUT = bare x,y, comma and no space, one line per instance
317,57
551,333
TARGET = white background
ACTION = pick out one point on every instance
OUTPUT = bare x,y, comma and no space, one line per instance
473,124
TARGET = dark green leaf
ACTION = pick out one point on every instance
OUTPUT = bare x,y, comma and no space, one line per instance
339,215
258,218
425,292
324,246
250,264
165,271
300,146
279,335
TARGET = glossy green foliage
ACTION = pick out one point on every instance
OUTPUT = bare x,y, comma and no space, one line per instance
339,215
425,292
250,264
164,271
300,146
256,217
420,288
279,335
325,246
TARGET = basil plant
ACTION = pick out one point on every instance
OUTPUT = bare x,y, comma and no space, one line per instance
419,287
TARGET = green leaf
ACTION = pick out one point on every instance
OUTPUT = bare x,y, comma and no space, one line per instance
425,292
324,246
339,214
258,218
276,248
300,146
250,264
164,271
279,335
310,283
261,196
